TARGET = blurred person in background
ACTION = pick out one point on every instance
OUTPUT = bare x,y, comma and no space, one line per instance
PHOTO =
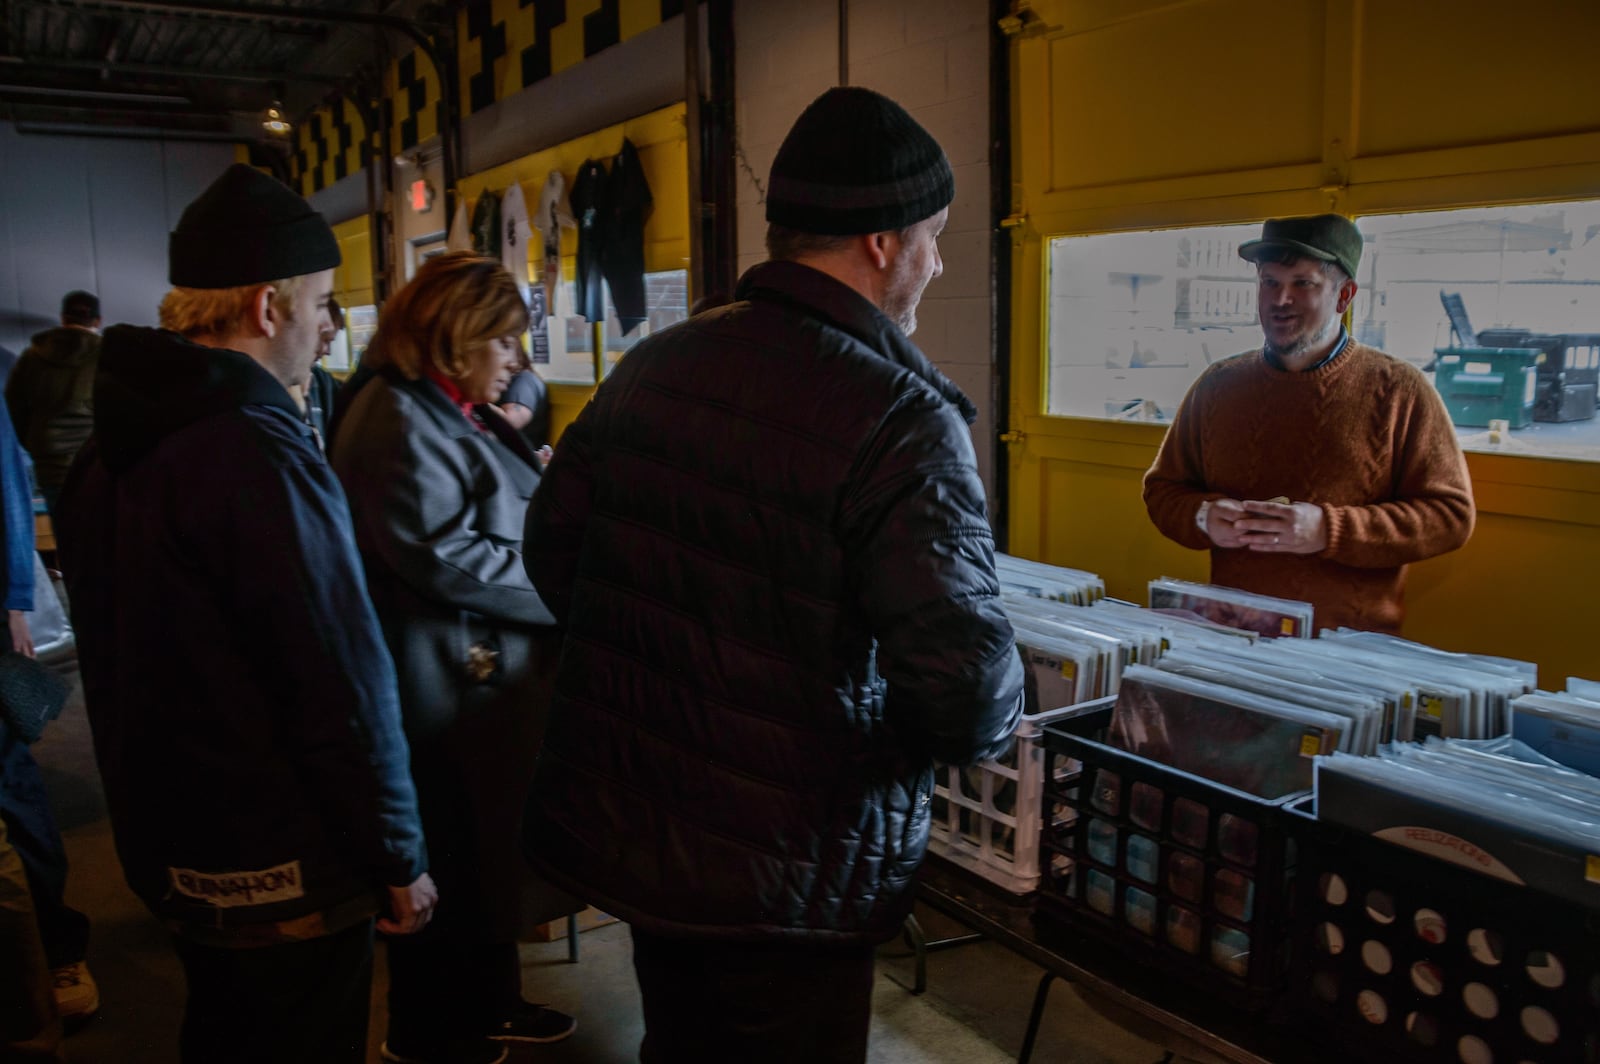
50,392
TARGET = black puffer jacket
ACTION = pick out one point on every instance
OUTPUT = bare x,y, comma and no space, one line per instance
767,539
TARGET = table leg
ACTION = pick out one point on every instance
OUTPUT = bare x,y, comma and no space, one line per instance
921,947
1034,1017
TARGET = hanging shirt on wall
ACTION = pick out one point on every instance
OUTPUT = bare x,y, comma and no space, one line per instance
460,238
486,225
554,214
588,208
627,203
515,232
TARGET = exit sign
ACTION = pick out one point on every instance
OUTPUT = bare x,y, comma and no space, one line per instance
421,196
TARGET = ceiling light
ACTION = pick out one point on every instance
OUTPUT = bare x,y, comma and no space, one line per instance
274,122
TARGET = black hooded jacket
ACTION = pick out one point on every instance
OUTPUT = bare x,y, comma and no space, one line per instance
767,540
243,702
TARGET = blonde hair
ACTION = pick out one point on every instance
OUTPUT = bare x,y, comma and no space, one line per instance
218,311
449,312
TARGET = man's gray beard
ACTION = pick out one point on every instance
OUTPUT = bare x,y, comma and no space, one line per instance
1301,344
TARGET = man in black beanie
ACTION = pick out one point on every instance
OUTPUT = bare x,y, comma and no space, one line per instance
243,703
767,541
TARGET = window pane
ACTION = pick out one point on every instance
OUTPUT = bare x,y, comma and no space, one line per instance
572,337
1523,282
666,296
1135,317
569,336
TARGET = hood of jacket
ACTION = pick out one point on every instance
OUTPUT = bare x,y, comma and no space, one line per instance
152,383
847,309
64,346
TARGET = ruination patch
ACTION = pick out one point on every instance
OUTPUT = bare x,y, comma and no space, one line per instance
228,890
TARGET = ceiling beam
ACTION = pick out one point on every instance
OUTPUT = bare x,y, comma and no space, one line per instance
163,71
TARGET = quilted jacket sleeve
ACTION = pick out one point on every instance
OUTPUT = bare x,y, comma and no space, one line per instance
921,552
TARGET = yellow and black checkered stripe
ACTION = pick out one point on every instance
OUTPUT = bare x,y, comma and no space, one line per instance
329,145
505,46
508,45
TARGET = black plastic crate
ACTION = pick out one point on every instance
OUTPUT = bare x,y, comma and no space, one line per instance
1401,956
1182,873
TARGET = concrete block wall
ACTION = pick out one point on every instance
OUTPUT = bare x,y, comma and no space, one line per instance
933,57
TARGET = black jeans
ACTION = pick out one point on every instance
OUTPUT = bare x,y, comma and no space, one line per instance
300,1001
442,989
714,1002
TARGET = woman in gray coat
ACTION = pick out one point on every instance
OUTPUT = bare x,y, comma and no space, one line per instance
438,485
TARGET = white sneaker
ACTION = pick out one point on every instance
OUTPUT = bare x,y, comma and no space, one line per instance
77,996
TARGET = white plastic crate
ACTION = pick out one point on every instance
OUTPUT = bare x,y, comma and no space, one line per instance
986,817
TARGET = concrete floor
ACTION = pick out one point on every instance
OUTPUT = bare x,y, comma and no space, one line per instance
974,1012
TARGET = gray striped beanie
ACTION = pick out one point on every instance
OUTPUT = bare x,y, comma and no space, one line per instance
856,162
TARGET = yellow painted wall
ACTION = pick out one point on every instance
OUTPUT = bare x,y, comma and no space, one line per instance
352,281
1140,114
661,138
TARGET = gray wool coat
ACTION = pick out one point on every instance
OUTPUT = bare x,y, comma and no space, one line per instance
438,506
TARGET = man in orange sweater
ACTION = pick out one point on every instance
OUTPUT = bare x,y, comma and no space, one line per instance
1315,468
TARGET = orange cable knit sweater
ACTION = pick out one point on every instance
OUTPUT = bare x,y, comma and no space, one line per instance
1365,436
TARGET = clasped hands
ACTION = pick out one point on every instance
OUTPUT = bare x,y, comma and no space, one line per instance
1274,526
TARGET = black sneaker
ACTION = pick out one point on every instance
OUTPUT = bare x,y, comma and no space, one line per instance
461,1051
535,1023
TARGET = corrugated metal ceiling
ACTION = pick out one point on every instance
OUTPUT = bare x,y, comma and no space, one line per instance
139,68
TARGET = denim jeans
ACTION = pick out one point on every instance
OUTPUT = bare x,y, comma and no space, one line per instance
25,807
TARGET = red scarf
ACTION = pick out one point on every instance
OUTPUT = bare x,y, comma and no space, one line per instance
453,392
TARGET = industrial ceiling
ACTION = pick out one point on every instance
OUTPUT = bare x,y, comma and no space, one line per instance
198,69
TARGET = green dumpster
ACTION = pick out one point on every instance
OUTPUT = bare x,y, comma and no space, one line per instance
1483,384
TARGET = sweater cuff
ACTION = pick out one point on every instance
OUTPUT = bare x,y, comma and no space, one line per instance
1333,527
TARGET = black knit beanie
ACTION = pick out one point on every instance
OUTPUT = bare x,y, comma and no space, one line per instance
856,162
248,228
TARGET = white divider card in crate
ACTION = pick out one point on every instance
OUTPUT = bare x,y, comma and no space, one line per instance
986,817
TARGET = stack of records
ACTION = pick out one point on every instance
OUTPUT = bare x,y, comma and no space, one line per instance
1256,743
1492,805
1173,626
1563,726
1370,707
1068,658
1463,696
1232,608
1039,580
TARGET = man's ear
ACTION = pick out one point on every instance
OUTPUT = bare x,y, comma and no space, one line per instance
881,248
264,313
1347,294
